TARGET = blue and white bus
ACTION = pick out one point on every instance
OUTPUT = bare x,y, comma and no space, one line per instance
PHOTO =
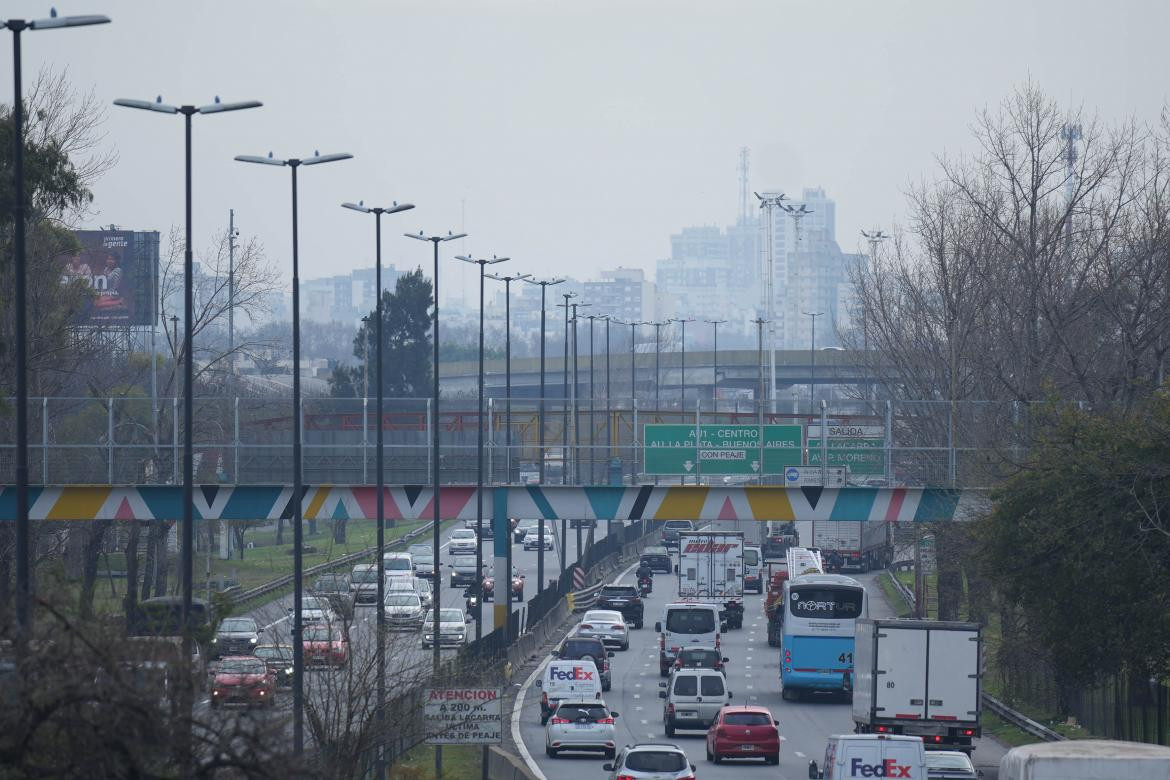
816,646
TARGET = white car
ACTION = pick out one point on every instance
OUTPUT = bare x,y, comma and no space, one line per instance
315,609
452,628
423,558
463,542
608,626
532,538
396,564
580,724
403,611
416,585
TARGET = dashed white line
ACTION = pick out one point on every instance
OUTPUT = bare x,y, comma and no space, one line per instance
636,695
276,622
798,754
644,722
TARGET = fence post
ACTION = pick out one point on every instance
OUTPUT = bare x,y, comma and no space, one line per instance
45,440
110,442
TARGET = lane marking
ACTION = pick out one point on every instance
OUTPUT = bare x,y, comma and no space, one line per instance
517,706
276,622
798,754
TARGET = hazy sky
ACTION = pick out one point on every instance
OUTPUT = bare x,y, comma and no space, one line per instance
576,136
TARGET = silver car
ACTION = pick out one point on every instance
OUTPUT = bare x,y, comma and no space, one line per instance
463,542
316,609
949,765
423,557
532,538
607,625
452,628
650,761
580,725
404,611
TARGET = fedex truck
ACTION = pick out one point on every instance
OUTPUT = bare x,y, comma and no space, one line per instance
919,678
711,568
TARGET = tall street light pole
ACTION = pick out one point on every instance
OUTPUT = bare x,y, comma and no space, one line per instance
435,474
575,395
657,353
293,164
507,280
760,322
592,428
504,580
544,285
187,545
812,353
682,396
715,362
23,558
875,238
379,458
565,427
608,406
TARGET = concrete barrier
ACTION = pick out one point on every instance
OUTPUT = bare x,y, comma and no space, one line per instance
502,765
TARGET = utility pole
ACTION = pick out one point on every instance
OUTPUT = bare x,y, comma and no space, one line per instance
760,390
682,396
232,233
657,351
875,237
592,396
812,352
715,362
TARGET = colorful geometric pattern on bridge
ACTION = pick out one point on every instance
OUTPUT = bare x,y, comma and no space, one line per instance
413,502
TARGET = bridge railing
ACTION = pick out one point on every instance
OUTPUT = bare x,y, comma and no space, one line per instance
248,440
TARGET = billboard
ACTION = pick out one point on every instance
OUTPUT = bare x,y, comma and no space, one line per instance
121,268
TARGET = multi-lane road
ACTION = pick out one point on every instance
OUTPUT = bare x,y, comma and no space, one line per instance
753,678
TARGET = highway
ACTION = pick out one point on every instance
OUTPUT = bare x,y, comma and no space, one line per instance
753,678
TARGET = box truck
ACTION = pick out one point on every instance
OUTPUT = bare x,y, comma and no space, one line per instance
1086,759
852,545
710,568
919,678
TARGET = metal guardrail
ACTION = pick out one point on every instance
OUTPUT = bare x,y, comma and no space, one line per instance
345,560
1014,717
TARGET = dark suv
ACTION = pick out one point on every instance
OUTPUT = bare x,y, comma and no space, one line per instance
658,559
623,599
335,588
576,648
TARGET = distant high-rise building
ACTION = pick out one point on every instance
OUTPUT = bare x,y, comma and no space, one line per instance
623,293
345,297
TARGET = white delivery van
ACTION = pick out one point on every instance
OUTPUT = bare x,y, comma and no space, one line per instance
753,559
576,680
1086,759
849,756
686,624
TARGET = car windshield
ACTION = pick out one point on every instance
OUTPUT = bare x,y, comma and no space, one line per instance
463,533
947,760
420,549
747,719
332,582
751,557
450,616
238,626
274,653
464,562
575,648
656,761
578,712
312,602
679,525
321,634
398,564
690,621
365,576
242,666
402,600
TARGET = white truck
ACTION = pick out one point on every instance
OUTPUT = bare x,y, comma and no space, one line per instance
710,568
1086,759
920,678
851,544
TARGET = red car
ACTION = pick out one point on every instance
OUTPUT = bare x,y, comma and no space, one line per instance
243,679
744,732
325,645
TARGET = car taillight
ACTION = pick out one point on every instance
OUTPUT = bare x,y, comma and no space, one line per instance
556,721
625,777
687,777
721,732
935,739
586,625
670,709
882,729
607,721
787,656
968,732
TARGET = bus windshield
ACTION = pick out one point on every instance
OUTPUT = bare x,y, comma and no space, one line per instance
827,603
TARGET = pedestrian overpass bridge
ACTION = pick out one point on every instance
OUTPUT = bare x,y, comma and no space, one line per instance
65,503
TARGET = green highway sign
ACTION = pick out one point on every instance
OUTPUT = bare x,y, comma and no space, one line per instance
860,447
723,450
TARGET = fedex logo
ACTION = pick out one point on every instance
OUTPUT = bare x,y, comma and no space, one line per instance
887,768
576,673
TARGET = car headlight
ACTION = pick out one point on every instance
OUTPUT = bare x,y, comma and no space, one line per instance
254,640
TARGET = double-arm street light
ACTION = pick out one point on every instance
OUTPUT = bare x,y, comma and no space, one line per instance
379,462
657,354
293,164
23,559
505,577
544,285
507,280
683,374
187,545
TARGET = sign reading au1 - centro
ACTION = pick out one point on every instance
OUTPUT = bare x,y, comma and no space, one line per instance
463,716
860,447
724,449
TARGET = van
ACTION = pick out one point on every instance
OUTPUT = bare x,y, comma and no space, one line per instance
871,755
578,680
693,699
753,559
686,624
398,564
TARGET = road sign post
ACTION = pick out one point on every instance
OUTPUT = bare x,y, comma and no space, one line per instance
722,450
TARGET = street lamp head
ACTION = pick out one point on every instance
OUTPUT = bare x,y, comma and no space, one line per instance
319,158
54,21
421,236
252,158
148,105
359,206
219,107
397,207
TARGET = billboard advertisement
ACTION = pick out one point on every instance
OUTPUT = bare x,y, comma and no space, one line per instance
121,269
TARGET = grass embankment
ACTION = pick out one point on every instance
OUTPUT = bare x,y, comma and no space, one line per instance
263,563
419,763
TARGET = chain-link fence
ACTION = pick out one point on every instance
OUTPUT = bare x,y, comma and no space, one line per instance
619,441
